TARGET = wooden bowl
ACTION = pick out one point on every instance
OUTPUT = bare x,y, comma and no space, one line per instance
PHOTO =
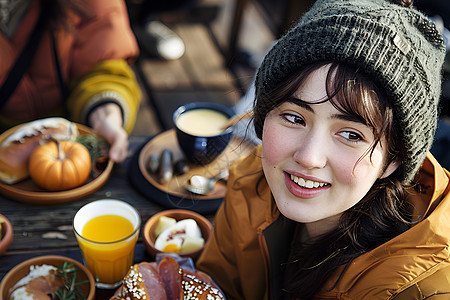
22,269
7,234
149,236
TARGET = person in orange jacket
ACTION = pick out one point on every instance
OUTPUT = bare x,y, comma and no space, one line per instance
72,59
342,199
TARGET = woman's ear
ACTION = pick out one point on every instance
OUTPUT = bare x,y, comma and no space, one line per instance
390,169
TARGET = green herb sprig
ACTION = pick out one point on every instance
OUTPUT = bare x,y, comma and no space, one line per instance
96,146
71,288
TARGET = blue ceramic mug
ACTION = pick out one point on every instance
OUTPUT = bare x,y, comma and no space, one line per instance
199,136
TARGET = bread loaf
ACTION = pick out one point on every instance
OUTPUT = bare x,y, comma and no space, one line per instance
17,147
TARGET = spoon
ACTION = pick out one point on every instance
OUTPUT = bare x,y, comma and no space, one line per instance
202,185
237,118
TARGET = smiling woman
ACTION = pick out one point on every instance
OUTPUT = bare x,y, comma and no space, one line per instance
328,205
334,162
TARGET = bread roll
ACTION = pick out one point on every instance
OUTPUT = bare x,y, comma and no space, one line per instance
166,281
142,279
17,148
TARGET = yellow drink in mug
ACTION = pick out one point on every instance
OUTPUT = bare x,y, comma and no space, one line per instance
107,231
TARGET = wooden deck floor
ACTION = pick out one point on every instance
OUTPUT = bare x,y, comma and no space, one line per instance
201,74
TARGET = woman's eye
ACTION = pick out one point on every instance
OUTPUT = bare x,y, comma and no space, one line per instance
295,119
351,136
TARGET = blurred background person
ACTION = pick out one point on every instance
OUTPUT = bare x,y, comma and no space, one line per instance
69,58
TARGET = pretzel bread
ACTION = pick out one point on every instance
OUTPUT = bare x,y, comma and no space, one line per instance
166,281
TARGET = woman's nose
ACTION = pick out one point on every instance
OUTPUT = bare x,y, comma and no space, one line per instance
311,152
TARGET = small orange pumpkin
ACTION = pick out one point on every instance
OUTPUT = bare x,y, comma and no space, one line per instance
60,165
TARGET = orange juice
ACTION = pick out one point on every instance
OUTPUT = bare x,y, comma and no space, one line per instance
107,231
107,228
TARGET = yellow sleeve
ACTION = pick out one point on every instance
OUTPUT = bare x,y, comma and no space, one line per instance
106,82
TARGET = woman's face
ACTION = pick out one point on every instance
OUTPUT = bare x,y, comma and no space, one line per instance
315,157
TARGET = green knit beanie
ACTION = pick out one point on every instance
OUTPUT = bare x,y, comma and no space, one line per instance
400,47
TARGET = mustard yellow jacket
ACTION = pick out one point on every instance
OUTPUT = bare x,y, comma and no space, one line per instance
251,239
94,57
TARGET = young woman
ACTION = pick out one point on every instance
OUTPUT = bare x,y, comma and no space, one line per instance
342,200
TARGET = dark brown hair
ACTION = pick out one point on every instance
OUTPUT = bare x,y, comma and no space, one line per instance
58,12
381,215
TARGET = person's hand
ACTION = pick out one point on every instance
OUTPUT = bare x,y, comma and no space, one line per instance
107,121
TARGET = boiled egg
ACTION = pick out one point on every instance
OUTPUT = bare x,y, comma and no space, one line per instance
172,238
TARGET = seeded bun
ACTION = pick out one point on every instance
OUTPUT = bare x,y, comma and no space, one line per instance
166,281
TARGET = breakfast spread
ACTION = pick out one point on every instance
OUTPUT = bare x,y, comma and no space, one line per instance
168,280
179,237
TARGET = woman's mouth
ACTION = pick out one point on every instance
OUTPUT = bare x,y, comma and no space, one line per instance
307,184
305,188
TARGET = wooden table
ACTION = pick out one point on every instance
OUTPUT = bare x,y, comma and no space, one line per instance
47,229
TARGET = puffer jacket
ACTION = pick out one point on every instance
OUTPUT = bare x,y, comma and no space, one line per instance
251,240
94,57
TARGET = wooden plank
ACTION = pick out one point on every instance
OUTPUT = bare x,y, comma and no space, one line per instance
162,74
202,65
205,64
200,75
147,122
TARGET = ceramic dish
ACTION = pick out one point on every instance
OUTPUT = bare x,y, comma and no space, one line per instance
172,194
6,234
27,191
22,269
149,236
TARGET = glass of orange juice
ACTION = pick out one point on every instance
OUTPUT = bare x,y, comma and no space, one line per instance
107,231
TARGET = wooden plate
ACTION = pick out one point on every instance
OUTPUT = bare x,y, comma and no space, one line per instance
27,191
173,195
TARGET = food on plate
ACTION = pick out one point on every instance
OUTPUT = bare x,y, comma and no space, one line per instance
153,164
181,237
16,148
164,222
166,166
48,282
192,243
166,281
59,165
180,167
40,281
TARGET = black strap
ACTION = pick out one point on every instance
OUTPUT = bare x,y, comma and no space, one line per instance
23,61
64,90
